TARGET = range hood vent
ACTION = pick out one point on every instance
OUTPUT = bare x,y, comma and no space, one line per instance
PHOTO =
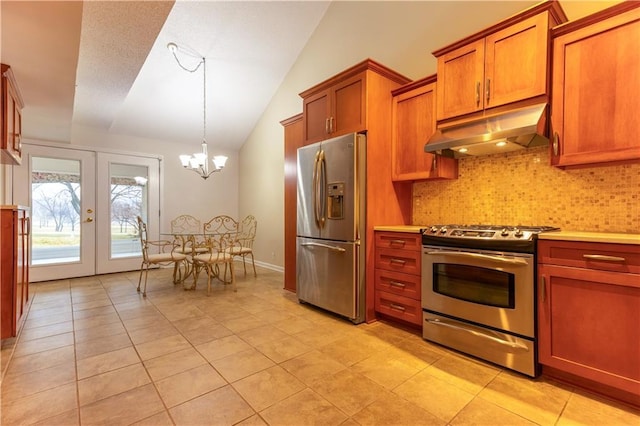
509,131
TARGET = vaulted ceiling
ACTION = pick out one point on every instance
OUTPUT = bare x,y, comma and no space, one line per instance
105,65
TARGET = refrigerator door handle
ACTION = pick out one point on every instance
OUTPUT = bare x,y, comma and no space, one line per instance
334,248
314,188
323,187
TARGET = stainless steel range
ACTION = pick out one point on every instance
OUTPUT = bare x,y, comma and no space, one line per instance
478,292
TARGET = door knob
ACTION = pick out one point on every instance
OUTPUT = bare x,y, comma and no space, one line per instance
89,219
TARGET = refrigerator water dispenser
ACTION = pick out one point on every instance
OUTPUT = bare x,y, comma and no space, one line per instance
335,202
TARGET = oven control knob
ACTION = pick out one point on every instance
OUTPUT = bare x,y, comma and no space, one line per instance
505,232
518,233
433,229
443,230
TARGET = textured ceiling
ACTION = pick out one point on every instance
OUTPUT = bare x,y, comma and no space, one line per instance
104,64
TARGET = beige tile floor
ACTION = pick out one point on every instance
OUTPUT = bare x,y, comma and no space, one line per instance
93,351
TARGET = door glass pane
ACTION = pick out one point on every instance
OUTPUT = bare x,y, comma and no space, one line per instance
55,195
129,199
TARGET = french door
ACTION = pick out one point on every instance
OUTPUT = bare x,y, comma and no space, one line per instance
84,206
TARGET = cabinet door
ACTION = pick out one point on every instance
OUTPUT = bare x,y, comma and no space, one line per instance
413,123
516,62
589,322
316,117
460,81
348,107
596,89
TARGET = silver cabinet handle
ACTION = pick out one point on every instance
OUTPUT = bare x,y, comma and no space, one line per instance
397,307
334,248
604,258
512,345
331,129
397,261
326,126
510,260
397,242
556,143
488,90
478,93
397,284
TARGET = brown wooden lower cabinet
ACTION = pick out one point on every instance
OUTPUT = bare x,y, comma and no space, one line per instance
14,289
397,276
589,316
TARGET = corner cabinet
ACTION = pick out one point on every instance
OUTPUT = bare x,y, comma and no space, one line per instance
413,123
596,89
589,315
505,63
292,141
11,114
14,290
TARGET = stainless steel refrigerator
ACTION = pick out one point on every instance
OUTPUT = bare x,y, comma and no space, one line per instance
330,269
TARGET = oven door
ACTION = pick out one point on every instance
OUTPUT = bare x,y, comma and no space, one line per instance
485,287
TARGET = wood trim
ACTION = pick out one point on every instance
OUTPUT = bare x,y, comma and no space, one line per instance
556,13
415,84
8,74
366,65
594,18
291,119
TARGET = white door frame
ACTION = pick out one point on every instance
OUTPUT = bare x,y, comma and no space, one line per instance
95,244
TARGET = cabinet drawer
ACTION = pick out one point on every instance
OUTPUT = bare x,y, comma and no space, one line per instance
599,256
399,240
398,260
399,307
398,283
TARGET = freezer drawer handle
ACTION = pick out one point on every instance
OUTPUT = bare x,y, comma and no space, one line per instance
513,345
334,248
513,261
603,257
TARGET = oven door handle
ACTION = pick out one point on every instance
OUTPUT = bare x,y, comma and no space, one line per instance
512,345
509,260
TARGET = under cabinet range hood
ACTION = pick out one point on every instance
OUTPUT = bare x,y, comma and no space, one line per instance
508,131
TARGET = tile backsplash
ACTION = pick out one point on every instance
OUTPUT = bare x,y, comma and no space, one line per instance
522,188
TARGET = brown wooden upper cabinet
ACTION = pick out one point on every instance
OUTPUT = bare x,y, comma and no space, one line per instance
338,106
596,88
506,63
413,122
11,115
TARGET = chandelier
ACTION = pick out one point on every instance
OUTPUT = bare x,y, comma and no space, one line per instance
199,162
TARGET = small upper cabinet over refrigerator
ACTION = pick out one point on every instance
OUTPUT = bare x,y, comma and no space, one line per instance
330,225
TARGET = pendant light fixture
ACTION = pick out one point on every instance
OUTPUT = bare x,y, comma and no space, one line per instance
199,162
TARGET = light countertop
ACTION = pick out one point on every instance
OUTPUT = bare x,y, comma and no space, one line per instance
591,237
400,228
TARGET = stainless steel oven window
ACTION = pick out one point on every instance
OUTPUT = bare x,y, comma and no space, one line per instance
475,284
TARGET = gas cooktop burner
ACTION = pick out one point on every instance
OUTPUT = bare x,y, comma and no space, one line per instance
497,237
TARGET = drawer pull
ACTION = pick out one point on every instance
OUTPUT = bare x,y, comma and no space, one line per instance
397,261
397,307
397,242
604,258
397,284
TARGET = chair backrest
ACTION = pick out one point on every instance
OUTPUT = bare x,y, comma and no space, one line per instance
142,232
186,224
221,224
247,232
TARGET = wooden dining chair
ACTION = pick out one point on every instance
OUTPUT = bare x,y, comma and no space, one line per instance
160,252
243,245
